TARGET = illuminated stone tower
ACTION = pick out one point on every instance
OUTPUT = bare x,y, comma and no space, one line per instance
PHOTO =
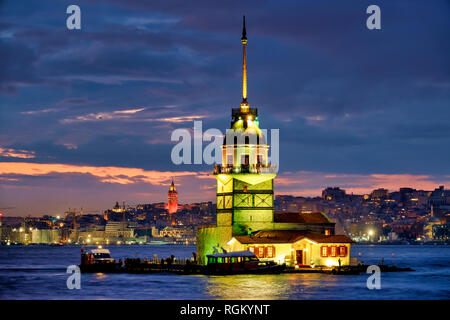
244,180
172,199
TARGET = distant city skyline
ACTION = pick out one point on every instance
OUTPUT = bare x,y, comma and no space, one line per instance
190,197
86,115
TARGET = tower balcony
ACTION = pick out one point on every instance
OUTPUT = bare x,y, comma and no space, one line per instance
251,168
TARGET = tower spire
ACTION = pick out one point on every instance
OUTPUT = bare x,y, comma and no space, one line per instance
244,104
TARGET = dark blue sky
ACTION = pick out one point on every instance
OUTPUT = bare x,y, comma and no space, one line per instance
355,107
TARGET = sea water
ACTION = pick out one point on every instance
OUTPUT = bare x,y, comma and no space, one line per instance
39,272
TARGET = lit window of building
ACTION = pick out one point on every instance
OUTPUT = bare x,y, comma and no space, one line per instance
270,252
261,252
333,251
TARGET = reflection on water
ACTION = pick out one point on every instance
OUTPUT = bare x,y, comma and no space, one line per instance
100,276
268,287
248,287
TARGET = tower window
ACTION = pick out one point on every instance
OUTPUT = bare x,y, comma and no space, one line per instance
230,159
246,159
260,159
261,252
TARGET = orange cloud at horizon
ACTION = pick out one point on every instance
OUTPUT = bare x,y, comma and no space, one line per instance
52,196
300,183
120,175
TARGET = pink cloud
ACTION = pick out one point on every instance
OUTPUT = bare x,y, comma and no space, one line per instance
307,183
99,187
14,153
118,175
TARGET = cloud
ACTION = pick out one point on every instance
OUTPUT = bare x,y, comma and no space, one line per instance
70,146
104,174
306,183
179,119
114,115
15,153
40,111
136,115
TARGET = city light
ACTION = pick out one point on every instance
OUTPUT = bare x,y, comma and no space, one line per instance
331,263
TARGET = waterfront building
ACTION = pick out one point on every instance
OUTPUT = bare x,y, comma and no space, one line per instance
45,236
245,203
429,227
441,232
118,230
176,232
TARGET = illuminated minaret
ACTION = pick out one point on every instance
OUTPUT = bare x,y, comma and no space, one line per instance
244,179
244,104
172,201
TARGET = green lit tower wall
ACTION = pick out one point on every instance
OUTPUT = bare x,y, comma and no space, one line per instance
244,179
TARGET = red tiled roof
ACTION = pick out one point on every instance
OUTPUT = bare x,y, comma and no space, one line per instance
273,236
301,217
291,236
329,239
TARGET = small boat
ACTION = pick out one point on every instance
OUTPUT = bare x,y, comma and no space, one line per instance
98,260
240,262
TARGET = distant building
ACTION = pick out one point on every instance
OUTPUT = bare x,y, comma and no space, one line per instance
172,199
333,194
405,195
114,226
177,232
45,236
440,196
117,208
441,232
379,194
392,236
429,227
